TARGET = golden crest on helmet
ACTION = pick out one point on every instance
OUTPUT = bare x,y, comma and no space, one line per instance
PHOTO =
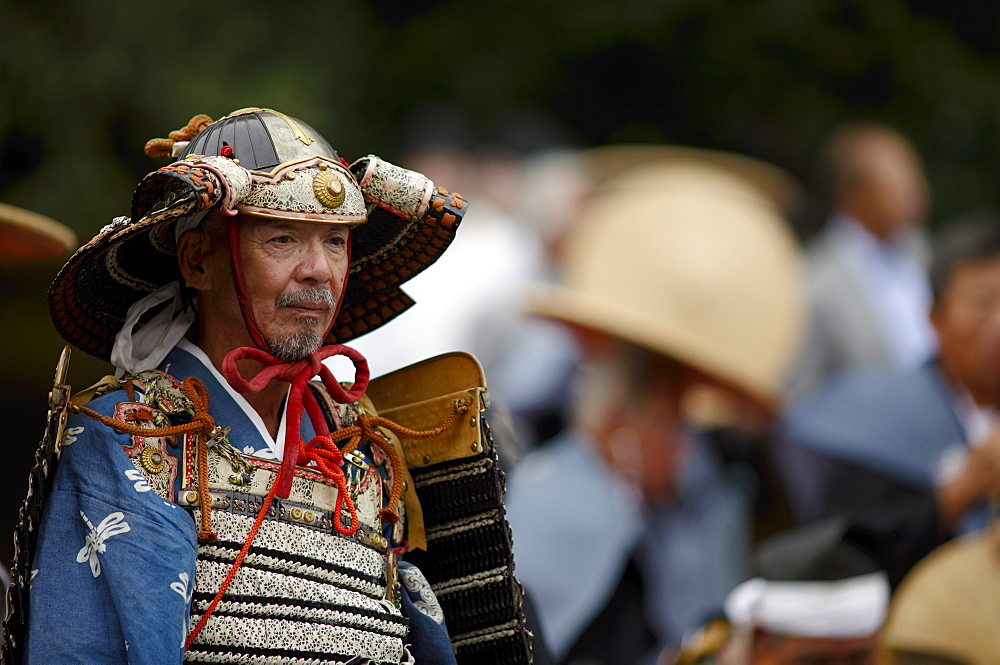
328,188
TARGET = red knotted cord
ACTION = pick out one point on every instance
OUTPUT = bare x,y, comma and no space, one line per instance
298,374
240,285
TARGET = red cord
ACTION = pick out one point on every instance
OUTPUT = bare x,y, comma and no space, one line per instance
298,374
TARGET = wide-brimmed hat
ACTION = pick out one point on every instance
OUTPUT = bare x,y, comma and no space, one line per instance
683,254
259,162
947,605
28,236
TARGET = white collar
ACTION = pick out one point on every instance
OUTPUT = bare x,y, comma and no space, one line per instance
251,413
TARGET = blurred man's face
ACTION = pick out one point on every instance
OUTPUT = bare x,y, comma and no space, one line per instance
640,434
891,194
775,650
967,320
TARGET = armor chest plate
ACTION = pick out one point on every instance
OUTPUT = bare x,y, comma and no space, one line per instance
304,593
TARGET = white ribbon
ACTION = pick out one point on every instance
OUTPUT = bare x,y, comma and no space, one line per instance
853,607
147,347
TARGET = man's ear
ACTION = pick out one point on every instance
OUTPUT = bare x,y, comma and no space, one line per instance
192,250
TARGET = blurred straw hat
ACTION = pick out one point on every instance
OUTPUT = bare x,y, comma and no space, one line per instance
686,253
947,605
28,236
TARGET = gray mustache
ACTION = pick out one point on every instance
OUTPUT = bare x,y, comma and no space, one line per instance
310,294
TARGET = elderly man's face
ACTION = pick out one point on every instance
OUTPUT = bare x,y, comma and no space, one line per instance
294,273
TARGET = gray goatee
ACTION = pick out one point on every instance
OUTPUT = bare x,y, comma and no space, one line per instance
295,346
302,343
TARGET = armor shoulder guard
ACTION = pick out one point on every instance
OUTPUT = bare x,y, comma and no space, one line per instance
423,395
469,559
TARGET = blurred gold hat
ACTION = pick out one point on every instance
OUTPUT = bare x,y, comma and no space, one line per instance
28,236
686,253
947,606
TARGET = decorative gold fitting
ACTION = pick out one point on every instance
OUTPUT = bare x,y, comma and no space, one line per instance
472,422
290,175
328,189
296,514
191,498
309,517
379,541
322,166
475,447
427,459
299,133
152,460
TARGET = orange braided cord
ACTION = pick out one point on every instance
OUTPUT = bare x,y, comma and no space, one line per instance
236,565
164,147
157,148
365,431
190,130
205,535
200,421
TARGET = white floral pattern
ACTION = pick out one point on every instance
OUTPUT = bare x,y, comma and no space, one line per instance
426,601
94,544
140,481
69,436
184,588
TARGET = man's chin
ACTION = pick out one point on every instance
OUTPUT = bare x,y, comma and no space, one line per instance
296,345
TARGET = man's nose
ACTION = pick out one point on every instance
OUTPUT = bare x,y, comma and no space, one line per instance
314,264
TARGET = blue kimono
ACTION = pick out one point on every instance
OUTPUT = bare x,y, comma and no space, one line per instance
115,567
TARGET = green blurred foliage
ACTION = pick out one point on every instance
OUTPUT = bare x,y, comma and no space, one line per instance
83,85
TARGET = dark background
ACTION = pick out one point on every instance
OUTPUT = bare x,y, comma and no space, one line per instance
83,85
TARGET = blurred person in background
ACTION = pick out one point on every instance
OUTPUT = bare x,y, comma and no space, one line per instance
679,275
913,453
818,598
866,273
531,360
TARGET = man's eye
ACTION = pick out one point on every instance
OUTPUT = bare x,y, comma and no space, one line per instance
282,240
336,240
